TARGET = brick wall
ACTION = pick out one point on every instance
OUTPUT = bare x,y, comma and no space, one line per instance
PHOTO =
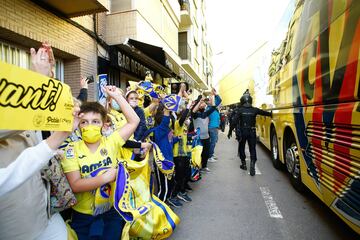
101,25
120,26
30,24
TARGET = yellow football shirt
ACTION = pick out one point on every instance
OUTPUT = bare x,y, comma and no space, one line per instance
150,120
117,119
79,158
180,148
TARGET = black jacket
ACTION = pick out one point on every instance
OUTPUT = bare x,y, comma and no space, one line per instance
83,95
245,117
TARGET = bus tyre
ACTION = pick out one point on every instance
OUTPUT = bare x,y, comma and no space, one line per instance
275,150
292,160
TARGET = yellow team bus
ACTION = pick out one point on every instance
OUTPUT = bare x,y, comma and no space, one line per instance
314,83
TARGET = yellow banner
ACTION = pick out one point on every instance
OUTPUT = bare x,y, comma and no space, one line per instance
31,101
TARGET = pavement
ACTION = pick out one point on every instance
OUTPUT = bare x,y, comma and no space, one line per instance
228,203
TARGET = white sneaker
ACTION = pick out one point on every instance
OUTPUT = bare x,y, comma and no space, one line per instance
205,170
214,156
212,160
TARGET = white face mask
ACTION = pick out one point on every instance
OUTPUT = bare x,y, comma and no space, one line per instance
187,122
8,133
133,103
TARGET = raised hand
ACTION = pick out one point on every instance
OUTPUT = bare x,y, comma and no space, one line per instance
50,52
190,104
213,91
77,116
182,87
84,82
113,91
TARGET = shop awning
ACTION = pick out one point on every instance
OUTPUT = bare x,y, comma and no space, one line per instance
158,54
152,57
130,58
74,9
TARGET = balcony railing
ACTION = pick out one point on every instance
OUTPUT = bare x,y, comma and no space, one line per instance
184,51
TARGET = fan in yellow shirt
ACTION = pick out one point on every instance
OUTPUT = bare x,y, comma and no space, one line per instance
149,113
84,162
78,157
118,120
181,160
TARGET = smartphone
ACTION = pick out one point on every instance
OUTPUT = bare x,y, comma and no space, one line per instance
175,87
90,79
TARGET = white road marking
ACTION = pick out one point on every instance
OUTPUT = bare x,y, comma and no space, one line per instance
257,171
274,211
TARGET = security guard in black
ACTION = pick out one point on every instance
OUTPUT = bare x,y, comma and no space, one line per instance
244,121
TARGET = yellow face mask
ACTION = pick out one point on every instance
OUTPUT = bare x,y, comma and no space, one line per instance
91,133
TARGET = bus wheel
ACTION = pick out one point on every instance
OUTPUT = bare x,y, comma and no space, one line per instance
293,166
275,151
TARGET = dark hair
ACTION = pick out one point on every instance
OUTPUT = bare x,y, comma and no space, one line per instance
179,114
159,116
147,101
196,102
94,107
172,121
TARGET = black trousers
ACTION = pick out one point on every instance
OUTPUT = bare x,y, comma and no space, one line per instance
165,186
247,135
182,166
205,152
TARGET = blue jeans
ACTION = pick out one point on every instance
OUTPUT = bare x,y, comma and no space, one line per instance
213,132
106,226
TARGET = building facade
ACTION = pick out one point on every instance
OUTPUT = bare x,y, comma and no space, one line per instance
121,38
194,48
165,23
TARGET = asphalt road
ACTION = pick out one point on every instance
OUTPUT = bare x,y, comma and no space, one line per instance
230,204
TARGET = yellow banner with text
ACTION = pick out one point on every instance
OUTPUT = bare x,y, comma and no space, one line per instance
31,101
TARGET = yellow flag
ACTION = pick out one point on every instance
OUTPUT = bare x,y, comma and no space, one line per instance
133,85
31,101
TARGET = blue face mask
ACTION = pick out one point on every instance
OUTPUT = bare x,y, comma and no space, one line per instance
115,105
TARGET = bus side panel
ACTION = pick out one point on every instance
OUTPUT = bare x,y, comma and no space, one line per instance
316,94
263,130
335,150
328,130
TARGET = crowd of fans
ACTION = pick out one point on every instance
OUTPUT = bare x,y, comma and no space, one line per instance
137,129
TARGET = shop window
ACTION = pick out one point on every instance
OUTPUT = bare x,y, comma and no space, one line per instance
59,70
114,77
19,57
